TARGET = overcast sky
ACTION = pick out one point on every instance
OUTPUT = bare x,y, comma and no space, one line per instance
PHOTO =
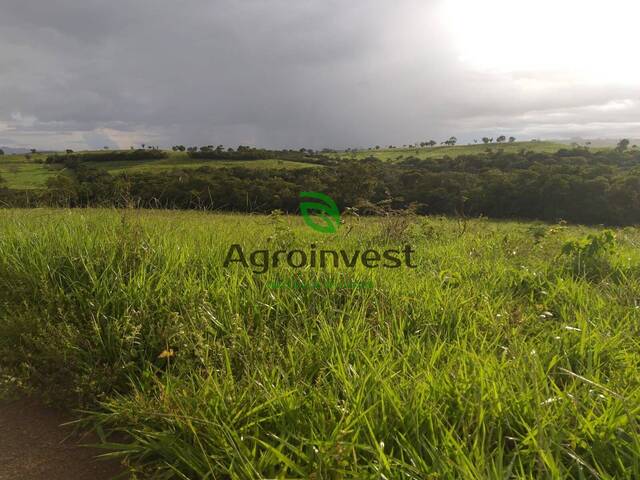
314,73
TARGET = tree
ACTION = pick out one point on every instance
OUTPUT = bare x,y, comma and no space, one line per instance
432,143
486,140
33,150
451,142
623,145
512,139
1,152
501,139
68,151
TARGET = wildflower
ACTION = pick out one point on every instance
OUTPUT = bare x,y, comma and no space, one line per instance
167,353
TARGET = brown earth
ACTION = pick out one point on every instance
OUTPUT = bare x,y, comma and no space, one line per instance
34,445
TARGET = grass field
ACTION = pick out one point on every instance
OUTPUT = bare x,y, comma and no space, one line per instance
174,162
394,154
499,356
20,172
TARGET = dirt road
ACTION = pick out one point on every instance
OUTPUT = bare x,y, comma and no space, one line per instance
34,446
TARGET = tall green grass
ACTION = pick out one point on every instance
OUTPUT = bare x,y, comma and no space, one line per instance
496,358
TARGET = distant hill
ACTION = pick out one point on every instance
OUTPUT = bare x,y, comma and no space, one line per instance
400,153
21,172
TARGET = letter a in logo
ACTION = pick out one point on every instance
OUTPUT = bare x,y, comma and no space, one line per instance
327,210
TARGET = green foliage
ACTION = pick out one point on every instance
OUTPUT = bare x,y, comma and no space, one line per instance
489,360
623,145
73,159
594,245
538,232
242,153
591,254
578,185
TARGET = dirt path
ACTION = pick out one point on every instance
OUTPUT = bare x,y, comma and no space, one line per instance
33,446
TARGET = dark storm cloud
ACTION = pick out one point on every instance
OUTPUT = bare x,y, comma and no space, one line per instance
274,73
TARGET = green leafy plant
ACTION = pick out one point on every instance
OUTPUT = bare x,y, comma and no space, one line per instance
591,255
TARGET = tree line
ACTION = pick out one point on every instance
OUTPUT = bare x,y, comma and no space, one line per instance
573,184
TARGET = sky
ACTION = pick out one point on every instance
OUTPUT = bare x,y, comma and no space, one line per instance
314,73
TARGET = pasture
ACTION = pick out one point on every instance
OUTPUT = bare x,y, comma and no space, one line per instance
423,153
511,350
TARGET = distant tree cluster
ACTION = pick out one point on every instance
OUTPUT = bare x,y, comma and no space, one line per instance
453,141
499,139
220,153
108,156
245,153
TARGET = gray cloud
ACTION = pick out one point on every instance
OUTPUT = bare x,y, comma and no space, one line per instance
274,73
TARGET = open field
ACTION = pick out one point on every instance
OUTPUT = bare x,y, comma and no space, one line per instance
498,356
184,162
393,154
20,172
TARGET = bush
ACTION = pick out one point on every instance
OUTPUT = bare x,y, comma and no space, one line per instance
591,255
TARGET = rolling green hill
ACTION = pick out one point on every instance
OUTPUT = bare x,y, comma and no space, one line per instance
393,154
30,171
22,172
182,161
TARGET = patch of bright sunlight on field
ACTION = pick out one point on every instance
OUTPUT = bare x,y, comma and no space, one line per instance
588,41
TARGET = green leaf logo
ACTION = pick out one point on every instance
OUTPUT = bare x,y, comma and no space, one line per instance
326,209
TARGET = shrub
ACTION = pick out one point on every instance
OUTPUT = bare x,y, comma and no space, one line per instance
590,256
